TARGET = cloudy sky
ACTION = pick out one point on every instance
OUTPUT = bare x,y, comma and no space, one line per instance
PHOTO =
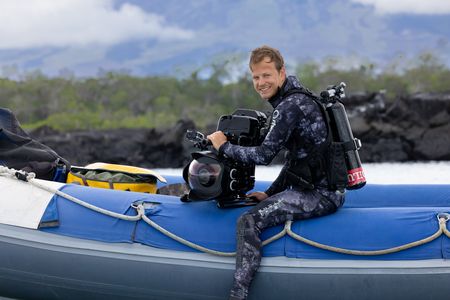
173,36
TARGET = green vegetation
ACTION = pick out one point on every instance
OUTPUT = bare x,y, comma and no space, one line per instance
117,100
425,74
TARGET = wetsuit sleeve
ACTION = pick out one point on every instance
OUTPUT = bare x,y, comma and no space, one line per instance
284,118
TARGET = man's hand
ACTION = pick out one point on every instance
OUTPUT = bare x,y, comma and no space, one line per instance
217,139
259,196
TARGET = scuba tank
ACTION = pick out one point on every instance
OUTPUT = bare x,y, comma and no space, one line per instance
342,133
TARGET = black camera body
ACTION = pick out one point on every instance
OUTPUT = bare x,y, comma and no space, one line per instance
211,176
245,127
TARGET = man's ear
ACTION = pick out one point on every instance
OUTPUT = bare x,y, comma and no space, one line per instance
283,73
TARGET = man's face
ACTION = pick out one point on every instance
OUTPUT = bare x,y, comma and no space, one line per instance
266,78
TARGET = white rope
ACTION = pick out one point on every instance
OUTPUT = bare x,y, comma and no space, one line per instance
441,230
29,177
85,204
4,171
180,239
7,172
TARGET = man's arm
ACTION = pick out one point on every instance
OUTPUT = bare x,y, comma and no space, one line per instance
283,123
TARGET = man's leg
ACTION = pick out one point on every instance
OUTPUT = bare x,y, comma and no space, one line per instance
275,210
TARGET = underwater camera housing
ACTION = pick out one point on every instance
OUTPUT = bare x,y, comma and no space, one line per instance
211,176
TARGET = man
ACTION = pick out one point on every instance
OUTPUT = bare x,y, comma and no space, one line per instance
301,190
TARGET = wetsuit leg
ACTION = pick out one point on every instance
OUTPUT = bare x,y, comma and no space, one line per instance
277,209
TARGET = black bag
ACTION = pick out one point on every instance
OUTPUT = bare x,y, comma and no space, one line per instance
19,151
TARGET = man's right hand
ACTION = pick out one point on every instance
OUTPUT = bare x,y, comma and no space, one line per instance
217,139
259,196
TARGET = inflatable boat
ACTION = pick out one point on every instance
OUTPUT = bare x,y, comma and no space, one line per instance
64,241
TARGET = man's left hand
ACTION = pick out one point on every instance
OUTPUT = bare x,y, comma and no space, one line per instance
217,139
258,196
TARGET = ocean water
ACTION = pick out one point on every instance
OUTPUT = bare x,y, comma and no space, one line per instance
379,173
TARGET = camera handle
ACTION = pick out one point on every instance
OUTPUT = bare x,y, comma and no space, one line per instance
198,139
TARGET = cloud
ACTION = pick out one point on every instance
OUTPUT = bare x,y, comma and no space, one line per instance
427,7
150,37
67,23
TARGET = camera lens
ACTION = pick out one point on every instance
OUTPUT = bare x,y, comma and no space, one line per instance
204,177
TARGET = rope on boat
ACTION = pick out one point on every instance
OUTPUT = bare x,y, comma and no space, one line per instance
164,231
193,245
442,229
443,218
30,178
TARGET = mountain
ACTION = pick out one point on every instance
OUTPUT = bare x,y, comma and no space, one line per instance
172,37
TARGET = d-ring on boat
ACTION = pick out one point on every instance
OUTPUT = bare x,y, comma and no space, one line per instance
64,241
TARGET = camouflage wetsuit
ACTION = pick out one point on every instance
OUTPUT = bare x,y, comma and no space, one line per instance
297,125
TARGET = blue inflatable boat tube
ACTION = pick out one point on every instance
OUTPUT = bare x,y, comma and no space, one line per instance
373,218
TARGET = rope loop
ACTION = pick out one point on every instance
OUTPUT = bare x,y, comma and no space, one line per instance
443,219
445,216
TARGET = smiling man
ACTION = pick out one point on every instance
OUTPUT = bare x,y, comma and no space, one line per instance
268,75
301,190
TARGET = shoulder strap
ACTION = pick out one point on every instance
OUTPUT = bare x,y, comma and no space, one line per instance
301,90
305,91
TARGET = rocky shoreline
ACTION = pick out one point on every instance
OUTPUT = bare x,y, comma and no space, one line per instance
412,128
